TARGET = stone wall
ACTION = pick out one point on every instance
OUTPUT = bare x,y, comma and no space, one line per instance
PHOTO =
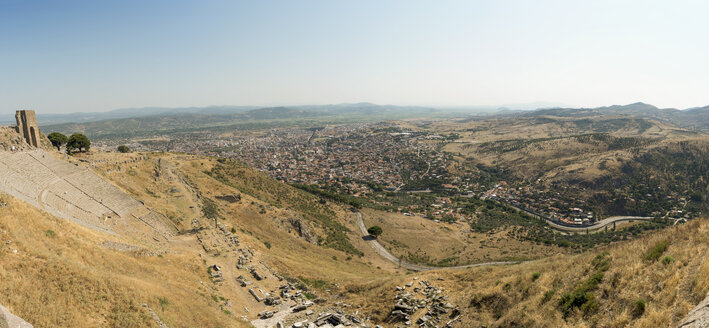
27,126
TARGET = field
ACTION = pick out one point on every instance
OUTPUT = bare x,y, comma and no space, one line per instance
422,241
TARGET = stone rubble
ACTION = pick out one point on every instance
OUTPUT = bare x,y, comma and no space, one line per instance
439,312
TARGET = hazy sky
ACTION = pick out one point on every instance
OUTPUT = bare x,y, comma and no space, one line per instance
66,56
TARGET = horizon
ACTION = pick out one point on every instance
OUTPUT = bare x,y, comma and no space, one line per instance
82,56
491,109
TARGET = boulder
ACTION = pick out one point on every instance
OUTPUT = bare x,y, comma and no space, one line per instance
698,317
9,320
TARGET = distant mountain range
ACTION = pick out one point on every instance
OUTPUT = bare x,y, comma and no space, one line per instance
151,120
693,118
137,120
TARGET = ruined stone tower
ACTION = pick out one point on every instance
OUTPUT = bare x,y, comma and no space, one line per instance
27,126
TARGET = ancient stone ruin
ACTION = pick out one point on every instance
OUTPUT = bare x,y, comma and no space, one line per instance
68,190
27,126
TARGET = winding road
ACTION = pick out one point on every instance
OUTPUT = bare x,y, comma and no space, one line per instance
383,252
599,224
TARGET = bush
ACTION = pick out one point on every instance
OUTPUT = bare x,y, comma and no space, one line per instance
639,307
163,302
268,245
536,276
50,234
656,251
547,296
123,149
667,259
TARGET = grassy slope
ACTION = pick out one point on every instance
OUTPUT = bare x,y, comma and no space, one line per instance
509,296
67,280
258,216
64,278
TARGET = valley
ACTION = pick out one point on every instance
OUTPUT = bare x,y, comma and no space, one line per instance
261,227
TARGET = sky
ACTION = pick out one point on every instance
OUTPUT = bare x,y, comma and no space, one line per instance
86,56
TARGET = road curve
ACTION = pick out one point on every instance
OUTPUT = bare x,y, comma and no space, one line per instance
599,224
383,252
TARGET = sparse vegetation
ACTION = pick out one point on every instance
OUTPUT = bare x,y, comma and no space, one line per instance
639,307
656,251
668,260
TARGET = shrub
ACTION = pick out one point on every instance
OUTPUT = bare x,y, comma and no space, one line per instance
547,296
656,251
536,276
163,302
639,307
50,234
123,149
668,259
268,245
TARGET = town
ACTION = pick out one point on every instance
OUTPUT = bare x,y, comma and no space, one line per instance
383,166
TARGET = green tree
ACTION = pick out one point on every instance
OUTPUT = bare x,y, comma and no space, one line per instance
123,149
375,231
57,139
78,141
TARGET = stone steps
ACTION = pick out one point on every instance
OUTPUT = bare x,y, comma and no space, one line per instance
74,192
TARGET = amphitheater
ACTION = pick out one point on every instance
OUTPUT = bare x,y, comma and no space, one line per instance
74,192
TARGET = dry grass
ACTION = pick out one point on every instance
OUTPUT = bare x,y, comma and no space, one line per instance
65,279
424,241
509,296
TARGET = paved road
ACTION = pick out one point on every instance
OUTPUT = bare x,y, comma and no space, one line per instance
599,224
415,267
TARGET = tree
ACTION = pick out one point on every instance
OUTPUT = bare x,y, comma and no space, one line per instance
375,231
57,139
78,141
123,149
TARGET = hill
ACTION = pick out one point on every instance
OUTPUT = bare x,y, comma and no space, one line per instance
235,224
650,282
693,118
617,165
164,121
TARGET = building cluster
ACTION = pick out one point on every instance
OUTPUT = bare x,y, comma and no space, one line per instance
537,200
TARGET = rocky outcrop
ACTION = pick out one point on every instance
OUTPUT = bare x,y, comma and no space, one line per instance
9,320
303,229
698,317
10,140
